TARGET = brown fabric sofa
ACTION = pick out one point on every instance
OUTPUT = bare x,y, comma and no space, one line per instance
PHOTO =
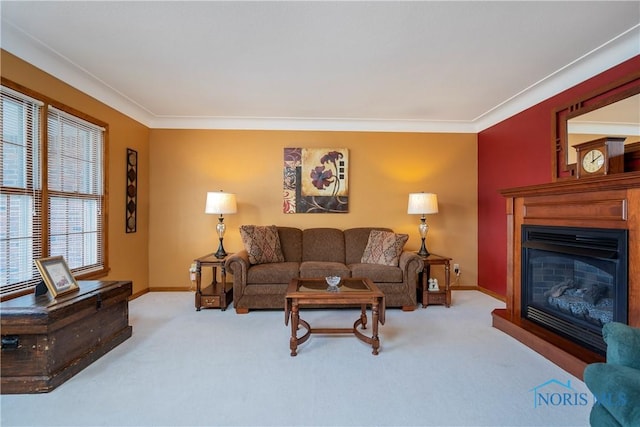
315,253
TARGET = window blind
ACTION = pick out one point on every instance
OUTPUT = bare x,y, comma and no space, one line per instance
20,191
75,191
52,210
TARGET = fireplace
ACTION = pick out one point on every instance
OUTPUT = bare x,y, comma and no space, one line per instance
564,219
574,280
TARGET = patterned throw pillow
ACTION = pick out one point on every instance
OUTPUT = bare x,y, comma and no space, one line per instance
384,247
262,243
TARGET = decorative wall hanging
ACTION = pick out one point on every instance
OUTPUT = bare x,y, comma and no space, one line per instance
132,190
316,180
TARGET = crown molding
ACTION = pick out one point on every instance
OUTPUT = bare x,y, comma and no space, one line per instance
312,124
626,129
38,54
35,52
623,47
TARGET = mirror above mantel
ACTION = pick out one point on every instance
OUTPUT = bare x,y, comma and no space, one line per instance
613,111
620,119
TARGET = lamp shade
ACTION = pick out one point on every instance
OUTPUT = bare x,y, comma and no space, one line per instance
422,203
219,202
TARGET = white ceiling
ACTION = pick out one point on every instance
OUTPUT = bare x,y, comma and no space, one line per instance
354,65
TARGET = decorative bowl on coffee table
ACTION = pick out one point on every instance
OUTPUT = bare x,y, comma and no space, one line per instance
333,282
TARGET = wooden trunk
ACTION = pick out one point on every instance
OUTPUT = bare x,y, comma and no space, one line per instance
46,341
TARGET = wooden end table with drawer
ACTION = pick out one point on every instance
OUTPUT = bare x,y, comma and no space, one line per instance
442,296
217,294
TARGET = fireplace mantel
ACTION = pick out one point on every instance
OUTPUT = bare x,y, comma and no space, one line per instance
612,201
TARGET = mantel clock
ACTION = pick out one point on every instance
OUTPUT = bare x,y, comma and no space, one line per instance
600,157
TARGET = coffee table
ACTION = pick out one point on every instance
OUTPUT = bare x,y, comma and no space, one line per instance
351,292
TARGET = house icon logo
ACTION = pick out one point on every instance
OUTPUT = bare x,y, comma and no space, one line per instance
554,393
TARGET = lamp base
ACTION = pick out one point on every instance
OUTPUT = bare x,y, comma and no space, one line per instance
423,252
221,252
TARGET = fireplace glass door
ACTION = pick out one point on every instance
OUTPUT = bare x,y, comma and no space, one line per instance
574,280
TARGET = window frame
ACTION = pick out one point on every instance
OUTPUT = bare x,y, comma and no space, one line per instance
9,291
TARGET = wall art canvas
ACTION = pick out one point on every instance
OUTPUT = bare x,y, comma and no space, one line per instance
316,180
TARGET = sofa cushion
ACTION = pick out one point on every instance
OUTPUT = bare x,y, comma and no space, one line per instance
318,269
323,244
378,273
262,243
384,247
291,243
355,240
278,272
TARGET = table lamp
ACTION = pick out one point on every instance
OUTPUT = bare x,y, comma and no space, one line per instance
423,204
219,202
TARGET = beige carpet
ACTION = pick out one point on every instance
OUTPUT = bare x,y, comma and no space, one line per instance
437,367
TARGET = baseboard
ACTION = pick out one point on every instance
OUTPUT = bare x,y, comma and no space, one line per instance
464,288
168,289
502,298
479,289
138,294
453,288
171,289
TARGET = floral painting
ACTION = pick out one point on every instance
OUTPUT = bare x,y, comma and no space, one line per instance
315,180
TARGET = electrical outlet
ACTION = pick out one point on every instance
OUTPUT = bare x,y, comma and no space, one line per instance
456,268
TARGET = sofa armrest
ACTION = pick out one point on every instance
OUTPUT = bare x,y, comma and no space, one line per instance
411,265
410,260
238,264
617,389
623,344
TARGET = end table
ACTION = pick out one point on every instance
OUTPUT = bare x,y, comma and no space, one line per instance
442,296
217,294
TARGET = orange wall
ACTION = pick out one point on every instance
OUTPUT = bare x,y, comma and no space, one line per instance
178,167
128,253
384,169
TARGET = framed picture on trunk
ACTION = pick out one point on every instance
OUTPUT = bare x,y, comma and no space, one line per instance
56,275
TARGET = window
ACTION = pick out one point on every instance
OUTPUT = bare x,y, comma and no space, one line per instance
55,207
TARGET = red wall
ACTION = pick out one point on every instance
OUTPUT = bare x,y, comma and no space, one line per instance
514,153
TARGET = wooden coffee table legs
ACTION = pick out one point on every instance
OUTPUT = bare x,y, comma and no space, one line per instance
297,322
373,339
